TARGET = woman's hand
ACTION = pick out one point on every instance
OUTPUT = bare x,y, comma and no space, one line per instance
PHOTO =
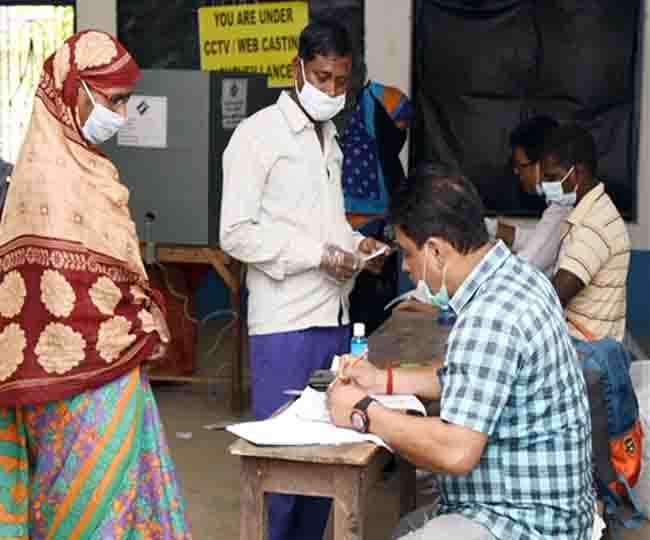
158,353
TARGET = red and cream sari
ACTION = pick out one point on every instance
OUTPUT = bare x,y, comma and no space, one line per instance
76,309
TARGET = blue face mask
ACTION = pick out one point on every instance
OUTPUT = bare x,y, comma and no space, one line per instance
422,293
555,194
441,298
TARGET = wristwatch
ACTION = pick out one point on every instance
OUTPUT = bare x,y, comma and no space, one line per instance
359,415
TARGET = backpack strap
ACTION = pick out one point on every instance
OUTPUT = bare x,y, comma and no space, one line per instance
581,328
639,516
614,507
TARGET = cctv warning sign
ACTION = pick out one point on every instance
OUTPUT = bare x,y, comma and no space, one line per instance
252,38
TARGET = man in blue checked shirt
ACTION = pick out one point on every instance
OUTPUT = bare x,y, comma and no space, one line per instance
512,445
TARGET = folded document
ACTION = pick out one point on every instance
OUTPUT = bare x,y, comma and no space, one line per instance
307,422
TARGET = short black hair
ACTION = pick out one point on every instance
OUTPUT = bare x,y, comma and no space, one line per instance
572,144
440,202
531,134
324,37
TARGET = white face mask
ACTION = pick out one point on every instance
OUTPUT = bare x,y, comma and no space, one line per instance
102,123
555,194
317,104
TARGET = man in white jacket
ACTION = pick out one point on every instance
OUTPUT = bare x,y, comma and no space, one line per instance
282,214
539,244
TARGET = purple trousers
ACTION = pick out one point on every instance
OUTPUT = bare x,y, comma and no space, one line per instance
285,361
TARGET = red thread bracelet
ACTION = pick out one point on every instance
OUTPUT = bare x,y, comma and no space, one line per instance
389,381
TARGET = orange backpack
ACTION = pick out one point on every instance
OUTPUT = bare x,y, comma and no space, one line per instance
612,398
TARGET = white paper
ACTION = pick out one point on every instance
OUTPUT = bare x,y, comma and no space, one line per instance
307,422
147,123
312,405
375,254
288,429
599,527
234,99
336,363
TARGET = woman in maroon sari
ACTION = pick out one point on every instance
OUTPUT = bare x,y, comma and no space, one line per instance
82,454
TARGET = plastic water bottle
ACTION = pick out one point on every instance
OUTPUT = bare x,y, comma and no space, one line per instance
359,342
446,317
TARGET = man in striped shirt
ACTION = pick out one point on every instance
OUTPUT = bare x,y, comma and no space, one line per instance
591,273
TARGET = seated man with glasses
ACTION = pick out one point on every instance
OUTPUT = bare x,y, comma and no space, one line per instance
591,272
538,244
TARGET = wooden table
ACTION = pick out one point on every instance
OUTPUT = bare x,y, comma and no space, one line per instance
346,473
231,271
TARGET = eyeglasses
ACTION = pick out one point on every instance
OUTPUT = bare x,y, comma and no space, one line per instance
558,177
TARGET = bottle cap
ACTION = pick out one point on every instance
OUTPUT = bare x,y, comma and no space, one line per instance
446,316
359,329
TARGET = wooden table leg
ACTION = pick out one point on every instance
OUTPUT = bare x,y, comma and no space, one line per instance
232,272
239,335
253,521
349,501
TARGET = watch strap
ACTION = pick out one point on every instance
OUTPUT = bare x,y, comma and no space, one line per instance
363,404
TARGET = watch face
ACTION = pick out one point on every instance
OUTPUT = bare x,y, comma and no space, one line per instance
358,421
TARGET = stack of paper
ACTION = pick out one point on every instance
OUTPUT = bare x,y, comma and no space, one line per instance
307,422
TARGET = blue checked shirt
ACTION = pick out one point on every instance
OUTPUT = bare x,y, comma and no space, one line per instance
511,372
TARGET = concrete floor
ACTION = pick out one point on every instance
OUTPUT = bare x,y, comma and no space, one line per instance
209,476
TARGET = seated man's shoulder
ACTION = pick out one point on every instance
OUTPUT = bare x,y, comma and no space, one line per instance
520,294
511,288
604,223
603,213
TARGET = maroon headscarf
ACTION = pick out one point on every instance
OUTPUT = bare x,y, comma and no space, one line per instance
76,308
93,56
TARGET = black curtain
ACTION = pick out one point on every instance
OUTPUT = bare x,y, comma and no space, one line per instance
483,66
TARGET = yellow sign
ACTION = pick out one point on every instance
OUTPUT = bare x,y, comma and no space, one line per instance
252,38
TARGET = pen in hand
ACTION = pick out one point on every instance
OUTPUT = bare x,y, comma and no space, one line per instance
339,374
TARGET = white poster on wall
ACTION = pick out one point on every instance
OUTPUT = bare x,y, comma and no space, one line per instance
234,98
147,123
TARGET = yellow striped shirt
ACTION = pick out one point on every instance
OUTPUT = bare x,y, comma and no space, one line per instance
596,249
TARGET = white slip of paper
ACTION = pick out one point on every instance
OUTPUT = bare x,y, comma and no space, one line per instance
599,527
374,254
